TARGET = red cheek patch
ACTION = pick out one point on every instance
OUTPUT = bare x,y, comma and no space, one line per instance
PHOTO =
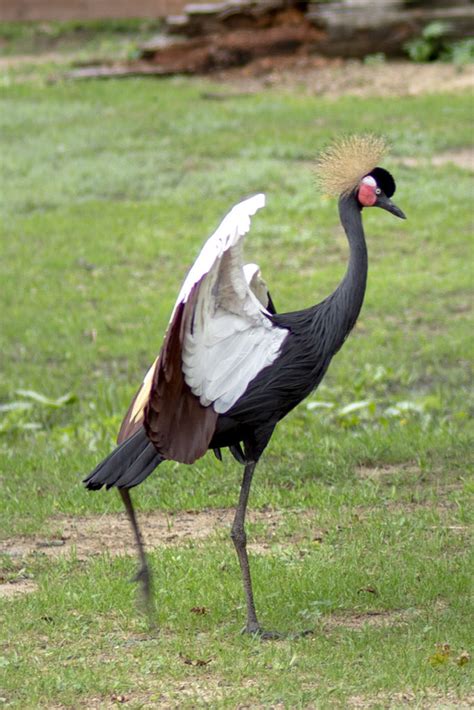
366,195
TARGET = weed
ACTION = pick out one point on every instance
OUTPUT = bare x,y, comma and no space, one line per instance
434,44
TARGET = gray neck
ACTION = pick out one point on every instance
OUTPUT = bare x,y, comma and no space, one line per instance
328,323
349,295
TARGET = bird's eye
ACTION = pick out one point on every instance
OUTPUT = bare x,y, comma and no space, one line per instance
378,190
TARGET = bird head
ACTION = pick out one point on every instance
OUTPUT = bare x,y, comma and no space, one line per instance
376,189
348,166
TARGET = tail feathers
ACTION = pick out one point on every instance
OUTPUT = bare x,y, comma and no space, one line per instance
129,464
145,462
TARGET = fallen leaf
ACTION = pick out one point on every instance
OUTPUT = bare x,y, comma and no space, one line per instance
200,610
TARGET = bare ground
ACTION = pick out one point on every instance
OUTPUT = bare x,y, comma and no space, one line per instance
88,536
429,700
461,158
205,689
93,535
18,60
336,77
359,620
209,689
9,590
386,472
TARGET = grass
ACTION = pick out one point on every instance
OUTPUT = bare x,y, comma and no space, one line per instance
78,39
108,192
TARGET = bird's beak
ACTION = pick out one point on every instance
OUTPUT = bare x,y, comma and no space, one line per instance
386,204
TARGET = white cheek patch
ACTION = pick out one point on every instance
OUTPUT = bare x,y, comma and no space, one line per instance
369,180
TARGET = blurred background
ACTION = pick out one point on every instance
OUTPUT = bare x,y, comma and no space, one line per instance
218,33
127,130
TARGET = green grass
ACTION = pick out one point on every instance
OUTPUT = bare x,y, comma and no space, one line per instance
108,191
81,38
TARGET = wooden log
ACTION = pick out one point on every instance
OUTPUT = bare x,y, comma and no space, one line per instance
202,55
354,28
362,28
208,18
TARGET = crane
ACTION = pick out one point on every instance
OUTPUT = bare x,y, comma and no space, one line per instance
230,367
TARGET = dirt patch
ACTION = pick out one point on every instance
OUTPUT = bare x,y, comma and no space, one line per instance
19,60
374,619
10,590
461,158
88,536
206,689
428,700
383,474
336,77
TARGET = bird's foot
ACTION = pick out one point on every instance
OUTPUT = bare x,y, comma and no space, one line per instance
264,635
143,578
300,634
254,629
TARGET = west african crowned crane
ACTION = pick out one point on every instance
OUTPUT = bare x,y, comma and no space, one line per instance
230,367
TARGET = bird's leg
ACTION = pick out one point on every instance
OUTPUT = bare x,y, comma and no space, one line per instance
239,538
143,575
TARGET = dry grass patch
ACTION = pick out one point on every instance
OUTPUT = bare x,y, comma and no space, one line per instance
338,77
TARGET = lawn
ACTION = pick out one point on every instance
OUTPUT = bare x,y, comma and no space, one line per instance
362,526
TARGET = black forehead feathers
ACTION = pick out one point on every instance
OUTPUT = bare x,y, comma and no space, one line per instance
384,180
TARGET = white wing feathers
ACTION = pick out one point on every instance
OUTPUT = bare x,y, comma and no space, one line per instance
234,226
256,283
226,339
